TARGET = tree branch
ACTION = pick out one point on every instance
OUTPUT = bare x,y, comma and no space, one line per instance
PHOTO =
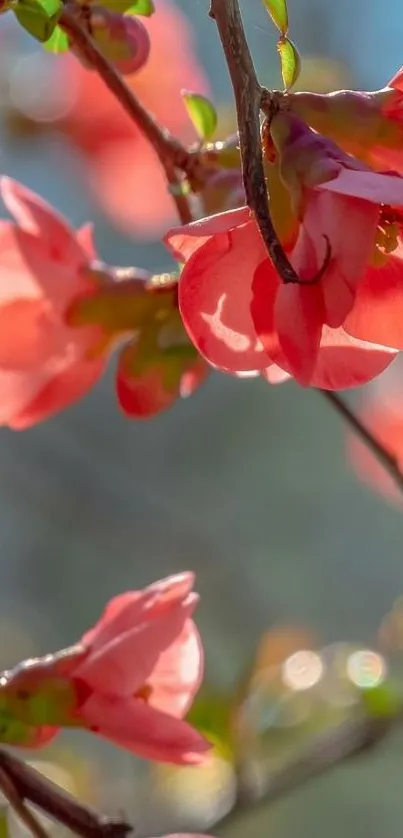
327,751
174,157
248,95
17,804
21,783
385,457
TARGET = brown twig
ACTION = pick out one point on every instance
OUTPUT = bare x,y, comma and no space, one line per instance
26,784
174,157
385,457
17,804
248,95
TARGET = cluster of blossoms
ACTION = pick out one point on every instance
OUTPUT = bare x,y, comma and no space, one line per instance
346,327
63,311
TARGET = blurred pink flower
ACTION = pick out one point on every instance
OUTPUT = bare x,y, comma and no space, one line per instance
44,364
122,168
382,413
131,678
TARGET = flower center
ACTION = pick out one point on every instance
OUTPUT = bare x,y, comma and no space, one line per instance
144,693
388,235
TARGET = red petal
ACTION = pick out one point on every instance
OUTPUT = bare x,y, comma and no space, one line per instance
125,610
183,241
178,673
144,731
62,391
344,362
36,216
215,292
85,238
341,361
385,420
377,314
397,80
126,662
374,187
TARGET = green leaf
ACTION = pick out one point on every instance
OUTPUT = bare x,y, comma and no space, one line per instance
210,714
145,8
290,62
38,17
382,701
277,10
58,41
202,113
4,831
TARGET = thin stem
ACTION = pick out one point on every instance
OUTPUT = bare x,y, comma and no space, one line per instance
20,808
172,154
385,457
30,785
350,739
248,96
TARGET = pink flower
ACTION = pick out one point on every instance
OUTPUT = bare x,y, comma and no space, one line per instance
237,311
62,313
131,678
44,364
368,125
381,411
121,167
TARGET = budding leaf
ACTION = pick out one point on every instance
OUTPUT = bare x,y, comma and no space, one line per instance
277,10
202,113
145,8
38,17
58,41
290,62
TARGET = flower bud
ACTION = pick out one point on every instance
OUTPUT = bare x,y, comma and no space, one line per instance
122,39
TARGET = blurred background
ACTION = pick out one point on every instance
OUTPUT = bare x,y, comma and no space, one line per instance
245,484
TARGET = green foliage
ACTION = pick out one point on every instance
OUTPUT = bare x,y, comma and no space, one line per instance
58,41
202,113
38,17
4,830
383,701
290,62
145,8
277,10
211,715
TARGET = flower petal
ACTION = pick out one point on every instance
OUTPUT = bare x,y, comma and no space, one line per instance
36,216
144,731
377,314
85,238
351,246
144,394
215,291
30,334
59,393
178,673
125,610
344,362
371,186
183,241
125,663
397,80
299,316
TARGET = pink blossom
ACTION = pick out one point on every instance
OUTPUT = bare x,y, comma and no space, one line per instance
240,315
131,678
44,364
